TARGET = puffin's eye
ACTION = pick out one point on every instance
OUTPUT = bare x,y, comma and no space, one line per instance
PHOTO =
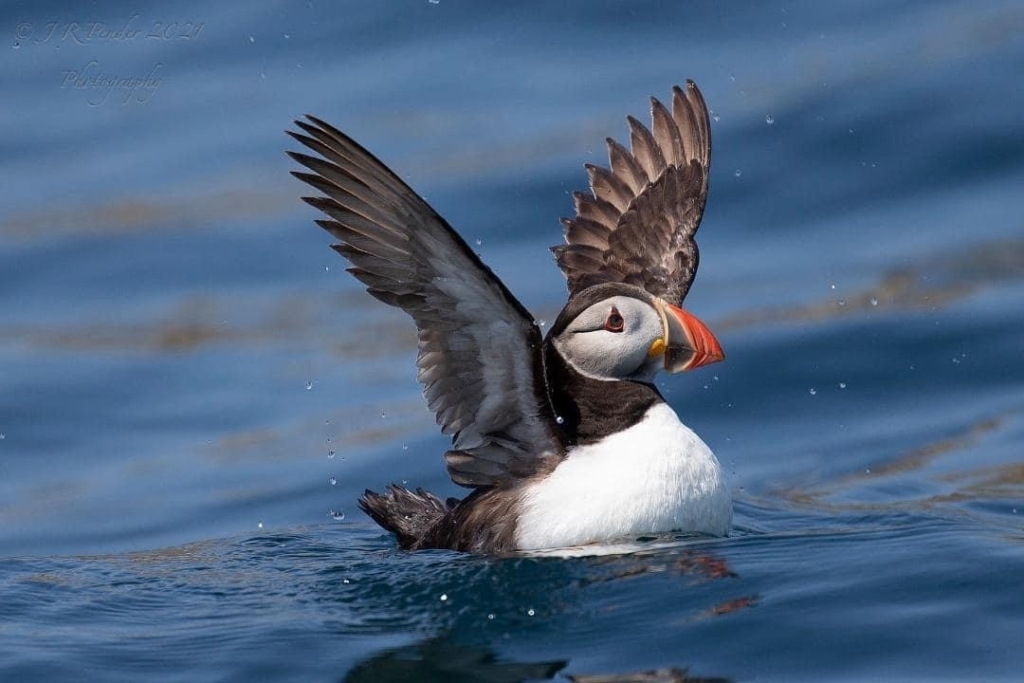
614,323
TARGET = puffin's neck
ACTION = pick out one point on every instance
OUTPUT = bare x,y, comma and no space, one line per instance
585,409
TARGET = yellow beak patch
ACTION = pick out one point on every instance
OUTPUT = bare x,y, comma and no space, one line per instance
657,348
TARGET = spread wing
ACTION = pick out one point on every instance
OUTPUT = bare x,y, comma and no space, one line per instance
638,225
479,349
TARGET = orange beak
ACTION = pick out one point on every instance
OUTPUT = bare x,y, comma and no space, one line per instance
689,343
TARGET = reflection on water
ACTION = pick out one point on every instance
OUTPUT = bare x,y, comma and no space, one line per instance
672,675
950,478
438,660
932,282
190,212
441,661
198,320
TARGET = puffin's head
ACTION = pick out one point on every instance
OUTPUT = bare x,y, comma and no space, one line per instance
618,331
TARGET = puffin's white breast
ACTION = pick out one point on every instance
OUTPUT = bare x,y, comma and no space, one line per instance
655,476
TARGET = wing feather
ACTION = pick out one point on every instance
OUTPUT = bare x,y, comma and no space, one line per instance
645,149
609,187
639,222
478,346
625,166
591,208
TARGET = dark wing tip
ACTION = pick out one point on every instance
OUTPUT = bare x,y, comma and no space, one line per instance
297,157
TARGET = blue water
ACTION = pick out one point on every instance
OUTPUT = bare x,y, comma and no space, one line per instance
193,393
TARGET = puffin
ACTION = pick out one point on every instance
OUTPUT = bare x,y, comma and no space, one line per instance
562,438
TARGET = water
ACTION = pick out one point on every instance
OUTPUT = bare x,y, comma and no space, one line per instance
194,393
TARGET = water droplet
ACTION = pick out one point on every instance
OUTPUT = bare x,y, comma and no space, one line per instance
383,414
956,360
259,525
716,117
841,301
332,481
286,36
867,470
832,286
842,385
336,514
530,612
345,581
405,446
309,384
444,597
252,39
812,391
491,616
479,242
560,420
17,45
874,301
714,377
542,323
330,454
769,119
434,2
2,436
737,173
707,386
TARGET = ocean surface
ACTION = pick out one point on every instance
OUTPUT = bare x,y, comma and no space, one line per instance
193,392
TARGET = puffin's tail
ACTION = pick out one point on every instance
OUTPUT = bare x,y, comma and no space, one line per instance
409,515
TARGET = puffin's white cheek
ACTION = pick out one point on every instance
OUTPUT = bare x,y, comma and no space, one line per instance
632,357
621,358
